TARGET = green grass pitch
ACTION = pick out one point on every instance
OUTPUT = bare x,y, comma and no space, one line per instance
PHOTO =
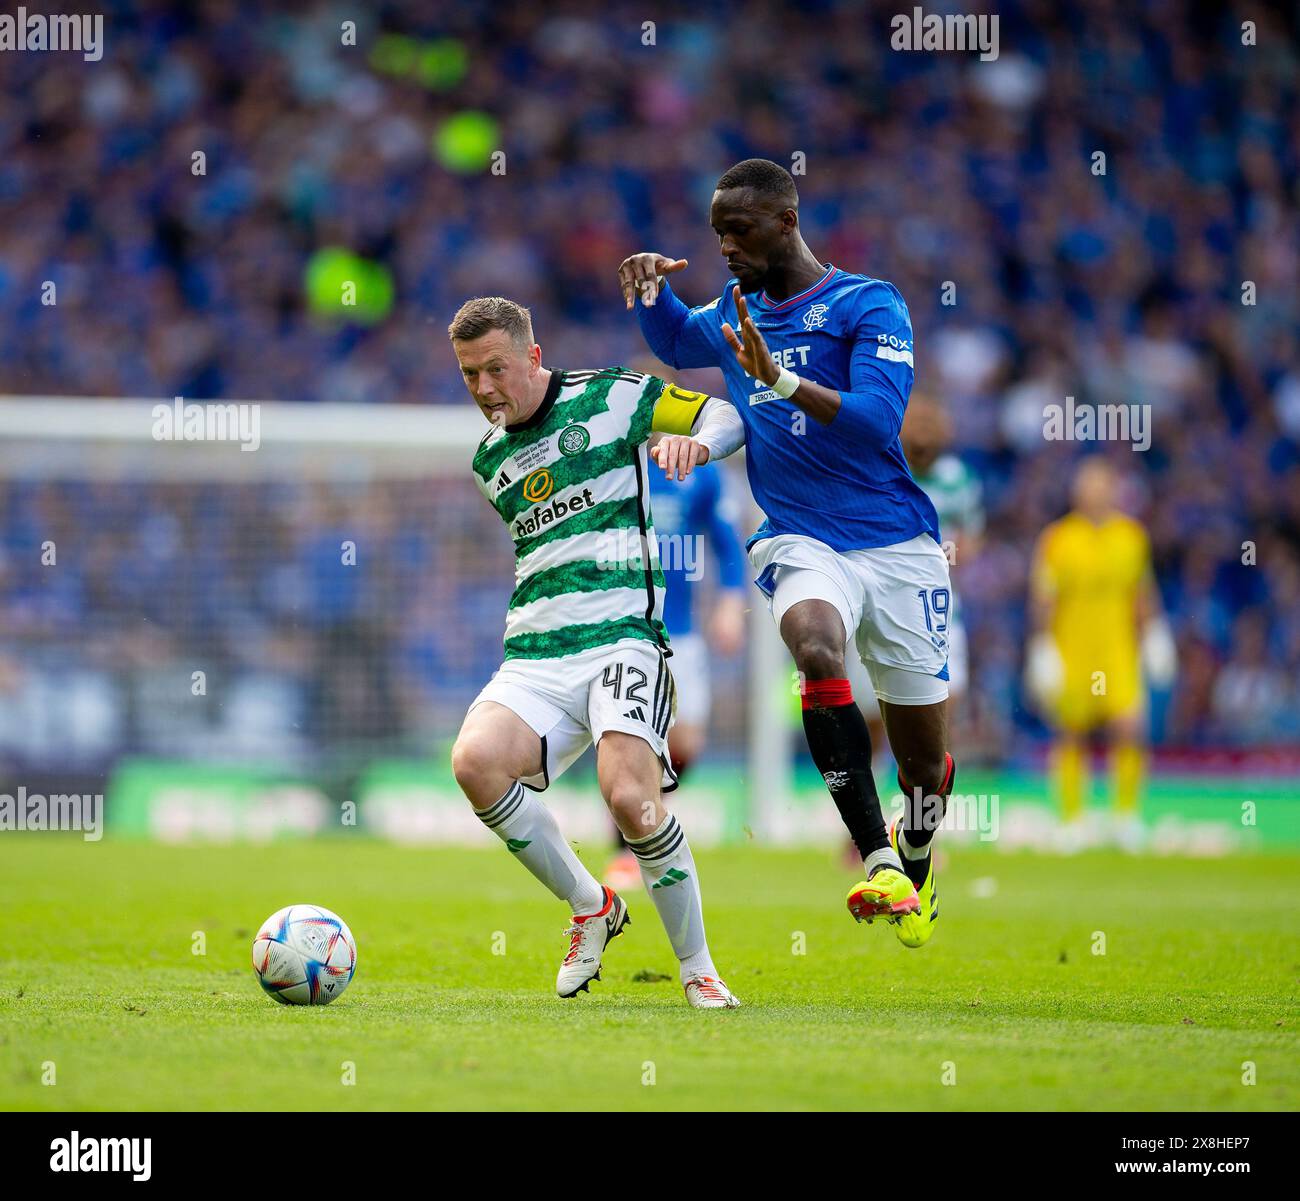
1008,1008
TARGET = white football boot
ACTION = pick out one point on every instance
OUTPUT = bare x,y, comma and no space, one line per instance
588,937
708,992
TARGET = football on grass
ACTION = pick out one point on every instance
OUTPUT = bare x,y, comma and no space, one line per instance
304,955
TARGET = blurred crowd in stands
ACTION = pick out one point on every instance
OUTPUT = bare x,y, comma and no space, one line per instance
1109,210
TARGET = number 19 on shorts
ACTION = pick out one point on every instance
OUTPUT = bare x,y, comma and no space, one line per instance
934,604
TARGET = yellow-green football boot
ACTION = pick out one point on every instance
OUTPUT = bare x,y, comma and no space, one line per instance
888,894
914,929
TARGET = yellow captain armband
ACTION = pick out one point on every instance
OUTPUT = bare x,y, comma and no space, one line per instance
676,410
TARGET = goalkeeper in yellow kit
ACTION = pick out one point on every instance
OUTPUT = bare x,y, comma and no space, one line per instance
1099,636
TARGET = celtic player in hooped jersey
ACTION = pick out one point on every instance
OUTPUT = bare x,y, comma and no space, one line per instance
571,484
566,467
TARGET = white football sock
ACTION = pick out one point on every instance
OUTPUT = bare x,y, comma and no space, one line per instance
908,850
668,869
530,832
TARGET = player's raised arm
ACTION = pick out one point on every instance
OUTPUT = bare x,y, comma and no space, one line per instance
679,336
643,275
871,412
753,355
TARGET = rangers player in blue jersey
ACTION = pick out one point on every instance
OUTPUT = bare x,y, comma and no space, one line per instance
818,364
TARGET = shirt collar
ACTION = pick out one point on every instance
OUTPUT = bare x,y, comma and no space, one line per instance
769,303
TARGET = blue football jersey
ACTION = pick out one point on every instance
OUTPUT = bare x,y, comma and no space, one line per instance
847,483
687,514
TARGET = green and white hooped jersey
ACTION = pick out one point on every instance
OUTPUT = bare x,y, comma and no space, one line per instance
571,484
956,494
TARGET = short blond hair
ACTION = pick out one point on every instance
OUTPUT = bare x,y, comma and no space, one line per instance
485,313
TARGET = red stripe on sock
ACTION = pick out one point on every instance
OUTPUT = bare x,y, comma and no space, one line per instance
948,768
826,694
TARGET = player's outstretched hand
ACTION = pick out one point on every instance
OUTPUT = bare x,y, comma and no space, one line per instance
751,353
678,453
638,275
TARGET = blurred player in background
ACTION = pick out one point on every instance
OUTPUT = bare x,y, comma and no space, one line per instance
565,466
1097,621
850,544
688,515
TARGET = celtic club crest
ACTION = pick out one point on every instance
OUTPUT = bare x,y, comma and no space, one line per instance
574,439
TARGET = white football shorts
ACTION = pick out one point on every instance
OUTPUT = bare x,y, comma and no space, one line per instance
894,602
570,703
864,692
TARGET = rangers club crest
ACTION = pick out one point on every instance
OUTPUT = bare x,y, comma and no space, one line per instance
815,317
